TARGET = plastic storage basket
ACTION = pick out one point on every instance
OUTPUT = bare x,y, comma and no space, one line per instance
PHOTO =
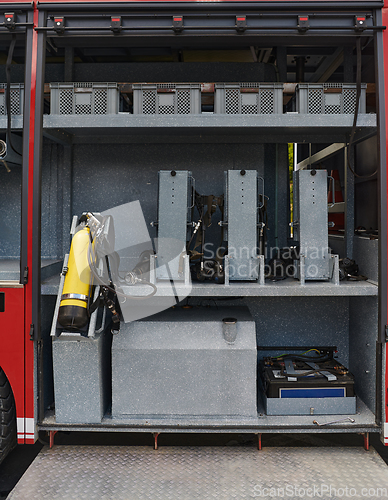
84,98
329,98
17,98
166,98
248,98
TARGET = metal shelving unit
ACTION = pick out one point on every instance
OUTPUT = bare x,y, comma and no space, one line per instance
270,128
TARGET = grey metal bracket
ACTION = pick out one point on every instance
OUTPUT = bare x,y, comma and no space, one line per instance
226,270
334,269
290,370
260,265
302,270
53,332
261,270
93,318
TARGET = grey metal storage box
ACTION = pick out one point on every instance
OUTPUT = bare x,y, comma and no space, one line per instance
166,98
329,98
310,406
180,362
84,98
248,98
81,377
17,98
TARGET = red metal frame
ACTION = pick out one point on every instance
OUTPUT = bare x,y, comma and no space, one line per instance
12,344
385,43
29,346
18,350
42,2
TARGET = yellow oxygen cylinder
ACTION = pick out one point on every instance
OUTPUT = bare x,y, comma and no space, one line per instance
73,309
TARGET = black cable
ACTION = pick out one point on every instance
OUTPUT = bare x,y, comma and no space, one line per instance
8,92
310,372
358,95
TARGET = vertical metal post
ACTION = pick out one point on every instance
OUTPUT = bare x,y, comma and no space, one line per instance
52,435
25,159
381,65
366,440
348,64
259,441
281,63
69,64
66,167
34,214
156,434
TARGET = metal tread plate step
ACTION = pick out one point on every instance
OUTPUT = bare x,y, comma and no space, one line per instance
169,473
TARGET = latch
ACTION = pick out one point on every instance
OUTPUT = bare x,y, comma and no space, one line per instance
9,20
241,23
59,25
115,24
177,23
360,22
303,23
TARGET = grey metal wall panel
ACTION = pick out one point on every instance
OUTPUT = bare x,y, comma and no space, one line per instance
305,321
366,255
363,320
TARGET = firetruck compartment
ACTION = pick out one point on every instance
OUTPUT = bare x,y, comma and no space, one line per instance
159,373
108,170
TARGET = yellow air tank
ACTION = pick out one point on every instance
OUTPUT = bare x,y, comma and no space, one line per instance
73,309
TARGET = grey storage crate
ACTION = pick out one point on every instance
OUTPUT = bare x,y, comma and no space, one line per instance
248,98
17,98
166,98
329,98
84,98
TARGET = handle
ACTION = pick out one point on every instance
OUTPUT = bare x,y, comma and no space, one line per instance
332,190
261,204
192,192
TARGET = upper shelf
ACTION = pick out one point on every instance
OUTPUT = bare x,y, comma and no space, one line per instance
289,127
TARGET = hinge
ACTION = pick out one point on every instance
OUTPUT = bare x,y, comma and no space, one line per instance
32,332
386,333
25,276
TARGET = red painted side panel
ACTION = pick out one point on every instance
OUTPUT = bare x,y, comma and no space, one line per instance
28,345
385,43
12,345
318,2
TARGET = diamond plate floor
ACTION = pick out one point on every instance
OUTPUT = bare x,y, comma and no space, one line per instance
205,473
